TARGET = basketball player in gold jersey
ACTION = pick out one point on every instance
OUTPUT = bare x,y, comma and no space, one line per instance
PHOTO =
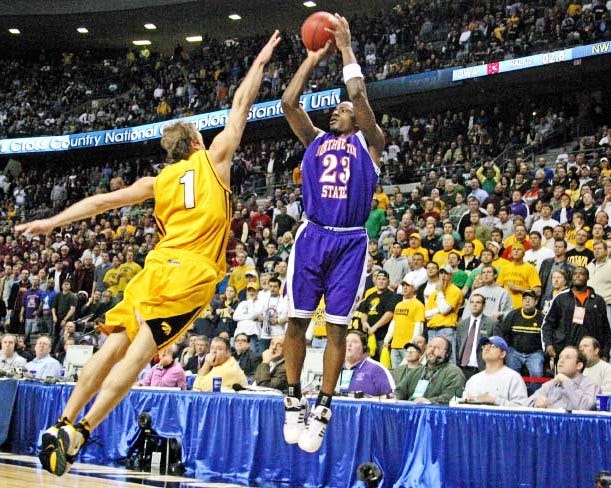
192,209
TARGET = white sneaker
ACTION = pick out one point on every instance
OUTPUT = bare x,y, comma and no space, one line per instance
311,438
295,413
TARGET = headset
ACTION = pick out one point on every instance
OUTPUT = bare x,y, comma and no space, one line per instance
448,355
363,337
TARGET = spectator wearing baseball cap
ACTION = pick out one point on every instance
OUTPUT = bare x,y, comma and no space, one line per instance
413,357
498,261
521,328
415,246
441,309
377,310
408,321
497,384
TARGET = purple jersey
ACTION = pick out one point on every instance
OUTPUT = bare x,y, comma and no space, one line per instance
339,179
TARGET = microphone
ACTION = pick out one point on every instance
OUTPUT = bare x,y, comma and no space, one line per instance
237,387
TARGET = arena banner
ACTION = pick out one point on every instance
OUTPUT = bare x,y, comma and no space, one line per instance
213,120
534,61
404,85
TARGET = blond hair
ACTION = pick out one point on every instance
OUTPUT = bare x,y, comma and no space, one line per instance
177,139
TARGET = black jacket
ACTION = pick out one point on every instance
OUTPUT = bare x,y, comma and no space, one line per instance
545,272
248,361
559,330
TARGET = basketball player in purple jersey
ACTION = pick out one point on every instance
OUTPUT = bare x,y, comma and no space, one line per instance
339,170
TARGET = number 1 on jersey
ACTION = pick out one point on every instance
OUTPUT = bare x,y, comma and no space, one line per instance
188,180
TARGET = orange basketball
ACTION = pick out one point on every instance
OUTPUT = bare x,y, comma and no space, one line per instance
313,33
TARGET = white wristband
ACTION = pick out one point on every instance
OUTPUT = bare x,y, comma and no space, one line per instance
352,70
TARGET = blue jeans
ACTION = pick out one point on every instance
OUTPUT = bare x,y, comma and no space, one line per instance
533,361
31,326
450,334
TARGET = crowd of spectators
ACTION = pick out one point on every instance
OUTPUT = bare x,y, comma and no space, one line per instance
79,92
479,243
480,232
420,148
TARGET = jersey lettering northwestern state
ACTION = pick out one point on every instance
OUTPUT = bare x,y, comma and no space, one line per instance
339,179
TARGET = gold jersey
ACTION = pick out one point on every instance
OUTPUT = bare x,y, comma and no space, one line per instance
193,209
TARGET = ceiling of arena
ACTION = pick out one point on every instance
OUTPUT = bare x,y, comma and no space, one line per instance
115,24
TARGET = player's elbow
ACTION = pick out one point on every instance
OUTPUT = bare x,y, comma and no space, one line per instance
358,93
289,104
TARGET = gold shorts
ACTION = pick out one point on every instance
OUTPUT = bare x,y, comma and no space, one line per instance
168,294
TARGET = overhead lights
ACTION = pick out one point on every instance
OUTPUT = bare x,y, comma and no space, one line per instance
309,4
235,17
143,42
194,39
82,30
150,26
14,31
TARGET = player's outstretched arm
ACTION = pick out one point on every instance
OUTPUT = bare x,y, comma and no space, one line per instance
224,144
296,116
357,91
141,190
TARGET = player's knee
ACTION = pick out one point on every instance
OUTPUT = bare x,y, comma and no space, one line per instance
336,334
297,327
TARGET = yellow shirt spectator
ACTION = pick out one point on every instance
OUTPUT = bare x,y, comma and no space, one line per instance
407,313
111,278
229,371
127,271
441,256
382,198
237,279
453,297
522,275
410,251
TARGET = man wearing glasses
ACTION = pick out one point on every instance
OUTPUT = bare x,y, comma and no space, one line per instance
497,384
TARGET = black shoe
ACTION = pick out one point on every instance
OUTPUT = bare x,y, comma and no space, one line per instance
48,455
69,441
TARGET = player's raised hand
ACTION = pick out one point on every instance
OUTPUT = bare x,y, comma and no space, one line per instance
266,52
341,32
322,52
36,227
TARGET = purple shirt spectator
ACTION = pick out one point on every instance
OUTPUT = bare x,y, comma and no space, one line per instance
519,208
370,377
31,302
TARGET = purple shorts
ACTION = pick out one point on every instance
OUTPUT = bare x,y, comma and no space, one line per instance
326,262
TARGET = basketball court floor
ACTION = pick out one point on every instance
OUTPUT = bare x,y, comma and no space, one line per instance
25,472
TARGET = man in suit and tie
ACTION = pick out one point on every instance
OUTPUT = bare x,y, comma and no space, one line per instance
468,334
196,361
